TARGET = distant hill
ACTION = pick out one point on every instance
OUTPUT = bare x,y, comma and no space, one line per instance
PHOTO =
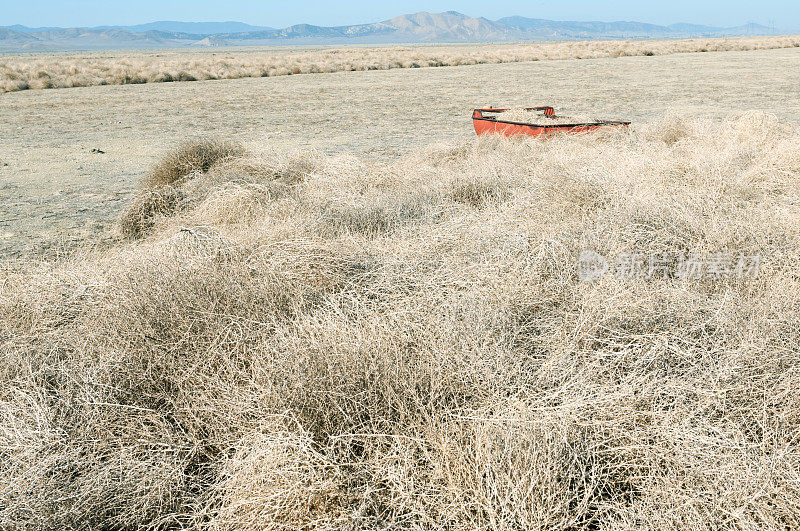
8,35
449,26
87,39
627,30
418,27
196,28
552,29
213,40
737,31
452,26
26,29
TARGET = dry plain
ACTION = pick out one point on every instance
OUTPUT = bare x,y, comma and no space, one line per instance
348,312
55,192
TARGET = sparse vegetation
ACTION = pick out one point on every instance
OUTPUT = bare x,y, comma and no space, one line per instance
42,72
329,342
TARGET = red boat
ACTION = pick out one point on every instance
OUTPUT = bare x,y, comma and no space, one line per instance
487,121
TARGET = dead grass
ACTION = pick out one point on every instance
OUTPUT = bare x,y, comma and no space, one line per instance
43,72
141,215
192,157
408,345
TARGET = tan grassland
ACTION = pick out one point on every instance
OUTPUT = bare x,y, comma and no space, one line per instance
62,71
319,310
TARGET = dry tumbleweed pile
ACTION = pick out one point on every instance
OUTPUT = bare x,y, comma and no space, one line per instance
299,341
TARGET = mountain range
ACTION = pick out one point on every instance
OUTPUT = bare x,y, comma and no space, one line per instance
447,27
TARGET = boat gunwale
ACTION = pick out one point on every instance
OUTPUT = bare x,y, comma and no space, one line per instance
494,119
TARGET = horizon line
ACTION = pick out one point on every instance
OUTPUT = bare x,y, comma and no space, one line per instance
111,26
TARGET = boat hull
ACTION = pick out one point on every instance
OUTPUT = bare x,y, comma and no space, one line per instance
485,123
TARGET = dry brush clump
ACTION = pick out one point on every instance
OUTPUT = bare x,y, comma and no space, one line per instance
43,72
141,214
161,194
196,156
360,345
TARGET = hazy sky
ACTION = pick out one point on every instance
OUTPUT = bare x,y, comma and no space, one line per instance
783,13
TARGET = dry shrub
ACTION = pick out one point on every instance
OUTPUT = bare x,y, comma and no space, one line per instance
478,193
276,480
366,352
163,189
281,168
369,218
244,187
671,127
199,242
192,157
140,216
556,471
237,203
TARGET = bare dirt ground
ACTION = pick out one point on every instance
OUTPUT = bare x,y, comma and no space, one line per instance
55,192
